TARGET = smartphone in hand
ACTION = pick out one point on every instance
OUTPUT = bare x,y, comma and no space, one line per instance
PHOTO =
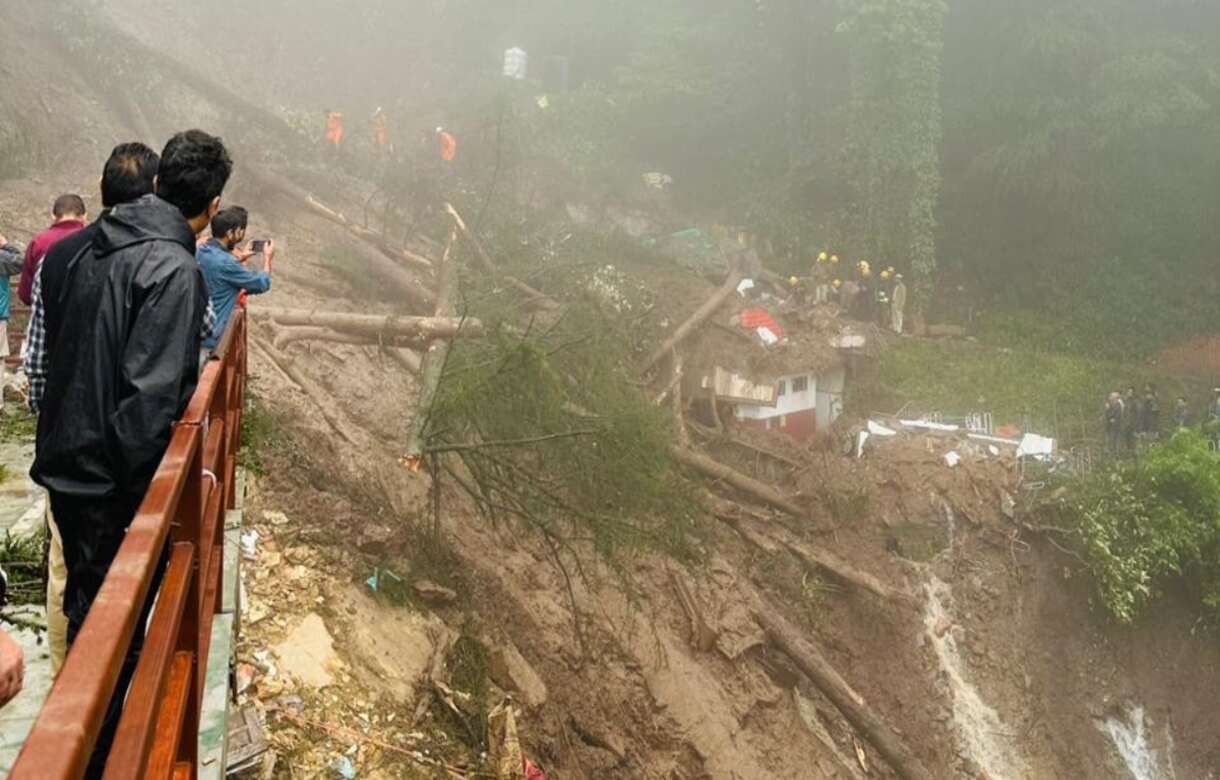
258,246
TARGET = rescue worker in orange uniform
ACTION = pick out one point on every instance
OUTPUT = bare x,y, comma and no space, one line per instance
334,128
449,144
381,130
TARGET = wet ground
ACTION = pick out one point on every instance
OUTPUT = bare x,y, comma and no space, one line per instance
22,505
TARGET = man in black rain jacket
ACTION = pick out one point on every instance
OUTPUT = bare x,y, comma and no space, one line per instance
123,367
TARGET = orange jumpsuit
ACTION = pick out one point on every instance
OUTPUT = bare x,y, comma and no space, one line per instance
334,128
381,131
448,147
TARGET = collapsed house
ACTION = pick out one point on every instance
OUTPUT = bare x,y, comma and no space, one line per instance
782,372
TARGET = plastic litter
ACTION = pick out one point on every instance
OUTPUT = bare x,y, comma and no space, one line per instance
249,543
1035,446
375,582
952,459
877,429
343,767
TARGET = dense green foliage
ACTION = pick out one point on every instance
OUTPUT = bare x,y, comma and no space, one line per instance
1141,522
553,433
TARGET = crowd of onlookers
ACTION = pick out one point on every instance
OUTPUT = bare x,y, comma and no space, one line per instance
1133,418
125,311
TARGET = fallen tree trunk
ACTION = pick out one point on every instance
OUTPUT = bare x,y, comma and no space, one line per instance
790,642
419,296
432,366
748,485
695,320
711,433
374,327
315,394
773,539
404,356
536,297
382,261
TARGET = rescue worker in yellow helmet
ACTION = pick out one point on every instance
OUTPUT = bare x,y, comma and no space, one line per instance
821,280
864,301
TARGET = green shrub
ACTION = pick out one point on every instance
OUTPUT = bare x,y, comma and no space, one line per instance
1141,523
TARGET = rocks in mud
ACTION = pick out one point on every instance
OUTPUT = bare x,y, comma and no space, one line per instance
431,593
374,538
308,653
509,670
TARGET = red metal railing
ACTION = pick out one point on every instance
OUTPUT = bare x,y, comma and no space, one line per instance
158,733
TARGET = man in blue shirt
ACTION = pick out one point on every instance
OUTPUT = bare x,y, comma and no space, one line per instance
224,267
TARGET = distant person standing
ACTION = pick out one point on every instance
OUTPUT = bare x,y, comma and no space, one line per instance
1181,413
334,130
898,304
69,215
12,258
223,262
448,145
381,132
1114,423
1213,408
1132,416
1150,411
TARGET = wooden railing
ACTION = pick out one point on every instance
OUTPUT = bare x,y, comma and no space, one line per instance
158,733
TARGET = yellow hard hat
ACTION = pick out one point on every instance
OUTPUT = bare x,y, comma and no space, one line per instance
834,259
793,281
837,283
822,258
892,270
885,275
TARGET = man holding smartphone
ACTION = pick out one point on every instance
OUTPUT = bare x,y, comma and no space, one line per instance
223,261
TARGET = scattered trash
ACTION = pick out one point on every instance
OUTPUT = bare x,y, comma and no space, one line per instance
1035,446
503,742
247,746
532,772
767,337
543,102
952,459
877,429
375,582
275,518
249,543
745,286
1008,507
343,767
930,426
759,320
245,675
262,659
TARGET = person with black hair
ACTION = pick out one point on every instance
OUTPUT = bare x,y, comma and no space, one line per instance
124,362
224,260
68,214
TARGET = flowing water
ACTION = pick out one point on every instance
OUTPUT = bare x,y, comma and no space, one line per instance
1129,733
981,735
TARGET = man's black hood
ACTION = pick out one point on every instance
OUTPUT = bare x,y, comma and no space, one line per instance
146,219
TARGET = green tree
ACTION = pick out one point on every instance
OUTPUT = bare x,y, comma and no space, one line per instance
892,156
